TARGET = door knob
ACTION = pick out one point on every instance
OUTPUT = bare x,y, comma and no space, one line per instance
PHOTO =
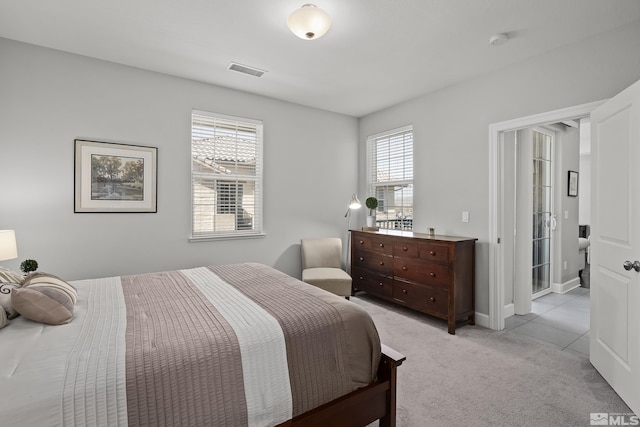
628,265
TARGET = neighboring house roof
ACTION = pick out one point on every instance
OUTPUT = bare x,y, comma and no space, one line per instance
211,164
385,178
224,149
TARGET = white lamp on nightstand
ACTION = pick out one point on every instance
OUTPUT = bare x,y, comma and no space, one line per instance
8,248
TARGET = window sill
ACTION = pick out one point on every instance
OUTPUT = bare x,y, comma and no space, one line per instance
226,237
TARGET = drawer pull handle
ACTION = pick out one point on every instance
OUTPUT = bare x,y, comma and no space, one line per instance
404,248
404,291
361,258
432,274
380,284
362,242
381,262
432,253
432,299
404,267
382,245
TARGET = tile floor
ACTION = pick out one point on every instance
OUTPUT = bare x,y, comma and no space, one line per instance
556,320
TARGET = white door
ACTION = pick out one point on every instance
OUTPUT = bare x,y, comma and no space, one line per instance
615,239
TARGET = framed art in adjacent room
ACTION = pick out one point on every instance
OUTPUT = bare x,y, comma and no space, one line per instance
573,184
112,177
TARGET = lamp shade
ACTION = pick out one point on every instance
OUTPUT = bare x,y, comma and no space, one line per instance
355,203
309,22
8,248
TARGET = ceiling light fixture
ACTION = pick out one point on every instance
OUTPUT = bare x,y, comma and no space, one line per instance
309,22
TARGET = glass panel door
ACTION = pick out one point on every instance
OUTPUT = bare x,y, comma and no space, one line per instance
542,217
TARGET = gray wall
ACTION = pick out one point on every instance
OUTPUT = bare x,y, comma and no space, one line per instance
48,98
566,235
584,181
451,128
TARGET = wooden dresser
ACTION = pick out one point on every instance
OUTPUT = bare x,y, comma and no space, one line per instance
432,274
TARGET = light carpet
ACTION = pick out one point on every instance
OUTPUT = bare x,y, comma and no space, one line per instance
481,377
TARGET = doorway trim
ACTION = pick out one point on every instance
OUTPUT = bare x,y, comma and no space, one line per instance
496,254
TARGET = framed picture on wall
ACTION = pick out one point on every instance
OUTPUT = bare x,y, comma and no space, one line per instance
573,184
111,177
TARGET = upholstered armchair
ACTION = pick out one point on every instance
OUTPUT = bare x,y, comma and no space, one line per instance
322,265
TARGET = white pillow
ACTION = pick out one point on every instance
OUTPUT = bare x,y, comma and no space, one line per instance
3,319
9,280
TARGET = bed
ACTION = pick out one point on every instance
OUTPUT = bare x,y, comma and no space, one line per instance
226,345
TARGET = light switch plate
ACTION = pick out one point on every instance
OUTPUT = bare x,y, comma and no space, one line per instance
465,216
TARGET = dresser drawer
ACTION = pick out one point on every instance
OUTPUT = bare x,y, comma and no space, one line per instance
405,248
433,252
416,270
380,263
423,298
373,243
372,283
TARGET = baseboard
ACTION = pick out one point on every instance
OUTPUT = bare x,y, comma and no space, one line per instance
508,310
482,319
561,288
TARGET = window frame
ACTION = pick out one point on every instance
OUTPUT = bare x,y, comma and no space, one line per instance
373,186
257,230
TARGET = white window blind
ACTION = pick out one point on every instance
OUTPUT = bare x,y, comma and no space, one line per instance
226,176
390,177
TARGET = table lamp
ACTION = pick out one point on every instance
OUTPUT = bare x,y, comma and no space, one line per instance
8,248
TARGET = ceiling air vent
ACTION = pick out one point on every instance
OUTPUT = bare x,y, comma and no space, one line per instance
252,71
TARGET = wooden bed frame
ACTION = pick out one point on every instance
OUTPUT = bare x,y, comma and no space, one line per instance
362,406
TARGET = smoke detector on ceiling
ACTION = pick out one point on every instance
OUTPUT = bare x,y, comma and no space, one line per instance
252,71
498,39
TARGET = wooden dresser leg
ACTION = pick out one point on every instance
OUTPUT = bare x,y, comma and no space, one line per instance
452,325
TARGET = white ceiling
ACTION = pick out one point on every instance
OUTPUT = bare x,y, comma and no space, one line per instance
376,54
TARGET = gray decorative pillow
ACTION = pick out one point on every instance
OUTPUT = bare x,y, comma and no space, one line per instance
8,276
45,298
